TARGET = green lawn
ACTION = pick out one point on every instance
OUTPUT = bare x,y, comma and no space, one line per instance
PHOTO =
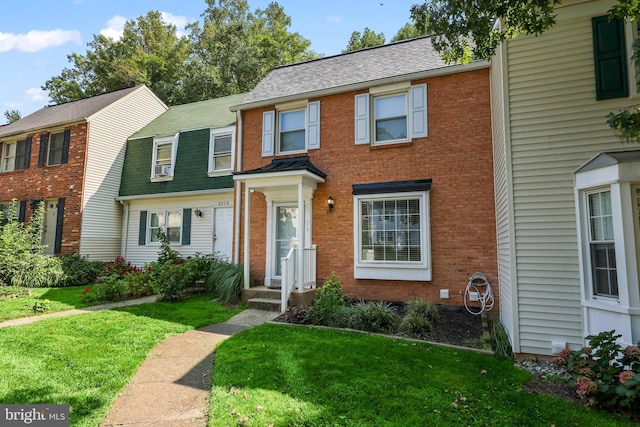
283,375
86,360
60,299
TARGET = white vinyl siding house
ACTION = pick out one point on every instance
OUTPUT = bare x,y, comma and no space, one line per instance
547,124
108,131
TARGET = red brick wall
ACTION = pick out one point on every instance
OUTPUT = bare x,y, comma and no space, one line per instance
53,182
457,156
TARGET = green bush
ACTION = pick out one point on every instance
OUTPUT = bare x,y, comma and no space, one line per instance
329,306
22,259
605,374
418,319
111,288
500,341
226,281
169,280
79,271
138,282
374,316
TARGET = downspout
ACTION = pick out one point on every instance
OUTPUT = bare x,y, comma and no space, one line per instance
125,229
238,202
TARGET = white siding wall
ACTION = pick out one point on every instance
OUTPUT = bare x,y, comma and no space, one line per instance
201,228
108,132
556,125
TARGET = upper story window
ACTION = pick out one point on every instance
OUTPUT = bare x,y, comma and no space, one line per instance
391,114
291,128
15,155
221,150
56,147
163,154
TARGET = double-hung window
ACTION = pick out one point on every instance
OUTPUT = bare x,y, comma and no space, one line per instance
291,128
391,231
221,150
56,148
602,244
391,114
14,156
163,149
168,222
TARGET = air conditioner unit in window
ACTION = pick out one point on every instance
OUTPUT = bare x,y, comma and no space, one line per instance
163,170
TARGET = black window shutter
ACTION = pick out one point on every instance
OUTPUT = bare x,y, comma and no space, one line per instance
27,152
186,226
57,247
610,58
42,154
142,232
22,211
65,145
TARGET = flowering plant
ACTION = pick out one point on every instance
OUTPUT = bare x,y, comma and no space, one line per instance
40,306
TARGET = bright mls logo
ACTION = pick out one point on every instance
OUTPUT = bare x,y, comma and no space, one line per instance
34,415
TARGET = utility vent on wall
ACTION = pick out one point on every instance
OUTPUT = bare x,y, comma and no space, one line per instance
163,170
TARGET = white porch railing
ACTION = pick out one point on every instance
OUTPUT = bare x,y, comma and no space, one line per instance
291,273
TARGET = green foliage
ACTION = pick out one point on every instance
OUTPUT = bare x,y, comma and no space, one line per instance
500,341
418,320
22,259
466,30
226,280
409,31
168,279
606,375
137,282
79,270
368,38
626,123
167,254
111,287
329,305
12,116
40,306
374,316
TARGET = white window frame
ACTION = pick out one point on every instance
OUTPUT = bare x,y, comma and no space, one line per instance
591,242
165,215
280,131
217,133
394,270
8,159
60,149
272,120
155,164
374,118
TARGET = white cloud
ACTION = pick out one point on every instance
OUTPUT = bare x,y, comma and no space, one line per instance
334,19
36,40
115,27
35,94
179,21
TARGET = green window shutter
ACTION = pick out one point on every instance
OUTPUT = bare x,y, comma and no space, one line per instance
610,58
142,232
57,247
186,226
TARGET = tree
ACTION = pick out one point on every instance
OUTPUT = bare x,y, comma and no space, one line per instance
466,30
409,31
368,38
149,52
12,116
235,48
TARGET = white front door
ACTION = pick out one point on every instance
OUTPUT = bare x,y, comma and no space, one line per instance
49,225
223,231
286,233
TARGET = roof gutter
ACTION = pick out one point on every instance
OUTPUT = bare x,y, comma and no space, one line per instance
454,69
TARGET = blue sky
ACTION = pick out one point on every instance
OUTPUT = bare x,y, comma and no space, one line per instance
37,35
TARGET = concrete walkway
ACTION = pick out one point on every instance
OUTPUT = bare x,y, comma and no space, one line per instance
173,384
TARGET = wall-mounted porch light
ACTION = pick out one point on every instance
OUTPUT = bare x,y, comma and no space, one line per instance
330,203
197,212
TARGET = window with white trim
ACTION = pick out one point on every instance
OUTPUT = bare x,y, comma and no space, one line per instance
391,234
291,128
221,150
168,222
602,244
56,148
391,114
163,151
13,156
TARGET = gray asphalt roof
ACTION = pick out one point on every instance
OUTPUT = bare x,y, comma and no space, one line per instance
334,72
65,113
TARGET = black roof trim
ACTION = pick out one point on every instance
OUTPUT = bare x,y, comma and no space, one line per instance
286,165
392,187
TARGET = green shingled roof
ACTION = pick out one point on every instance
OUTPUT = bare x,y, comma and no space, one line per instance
213,113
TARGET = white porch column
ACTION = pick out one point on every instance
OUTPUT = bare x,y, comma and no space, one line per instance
301,236
247,232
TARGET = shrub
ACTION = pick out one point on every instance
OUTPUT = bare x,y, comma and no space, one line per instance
416,326
78,270
111,288
22,259
226,280
606,375
500,341
138,282
118,267
329,304
373,316
168,279
423,308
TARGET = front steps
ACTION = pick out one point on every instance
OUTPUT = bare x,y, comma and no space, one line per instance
264,298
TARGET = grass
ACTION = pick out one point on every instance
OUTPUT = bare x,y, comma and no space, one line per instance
283,375
61,299
86,360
